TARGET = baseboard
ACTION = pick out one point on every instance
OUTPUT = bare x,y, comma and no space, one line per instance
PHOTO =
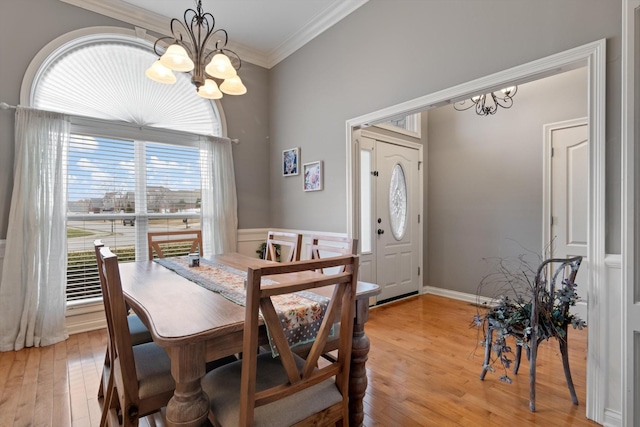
612,418
85,318
461,296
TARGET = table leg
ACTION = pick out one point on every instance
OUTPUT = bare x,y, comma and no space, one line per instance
189,406
358,371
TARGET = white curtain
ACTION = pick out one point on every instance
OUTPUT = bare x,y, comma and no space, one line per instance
32,290
219,200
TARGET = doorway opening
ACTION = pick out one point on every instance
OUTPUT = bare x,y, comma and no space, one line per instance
591,56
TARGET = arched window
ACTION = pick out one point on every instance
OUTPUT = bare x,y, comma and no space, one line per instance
135,159
103,76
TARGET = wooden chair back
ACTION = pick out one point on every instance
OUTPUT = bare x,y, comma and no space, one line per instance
341,308
126,377
124,370
291,241
174,243
98,245
327,246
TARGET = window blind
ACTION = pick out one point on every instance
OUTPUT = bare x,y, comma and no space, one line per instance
119,190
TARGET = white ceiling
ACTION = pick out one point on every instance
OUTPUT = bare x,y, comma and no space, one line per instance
263,32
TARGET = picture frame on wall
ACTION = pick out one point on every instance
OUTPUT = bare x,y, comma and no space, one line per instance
312,176
291,162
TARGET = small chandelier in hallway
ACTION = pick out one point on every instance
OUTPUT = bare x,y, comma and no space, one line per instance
488,103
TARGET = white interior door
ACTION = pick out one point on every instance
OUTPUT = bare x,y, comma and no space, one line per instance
569,197
397,220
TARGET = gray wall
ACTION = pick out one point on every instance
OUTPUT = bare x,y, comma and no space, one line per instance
389,52
247,116
485,181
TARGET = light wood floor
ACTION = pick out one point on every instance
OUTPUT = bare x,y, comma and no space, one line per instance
423,371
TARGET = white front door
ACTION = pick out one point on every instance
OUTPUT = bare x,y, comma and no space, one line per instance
389,218
569,197
397,220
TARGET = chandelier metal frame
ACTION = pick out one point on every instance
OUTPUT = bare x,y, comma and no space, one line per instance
488,103
196,34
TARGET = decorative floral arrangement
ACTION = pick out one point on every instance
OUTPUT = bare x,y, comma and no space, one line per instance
262,251
509,314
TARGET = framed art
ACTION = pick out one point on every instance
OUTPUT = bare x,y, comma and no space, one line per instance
290,161
312,176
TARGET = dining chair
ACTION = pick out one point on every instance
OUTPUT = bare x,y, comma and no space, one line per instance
323,246
139,332
291,241
263,390
174,243
546,315
141,381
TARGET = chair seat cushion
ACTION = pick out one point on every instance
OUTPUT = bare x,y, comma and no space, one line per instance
153,368
138,331
222,385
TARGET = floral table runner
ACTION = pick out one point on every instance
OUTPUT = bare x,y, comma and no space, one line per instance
300,313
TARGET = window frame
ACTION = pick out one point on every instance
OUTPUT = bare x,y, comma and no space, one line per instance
138,136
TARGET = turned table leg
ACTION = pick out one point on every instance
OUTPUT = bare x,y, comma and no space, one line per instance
358,371
189,406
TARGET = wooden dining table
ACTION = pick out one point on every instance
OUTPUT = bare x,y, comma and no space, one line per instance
195,325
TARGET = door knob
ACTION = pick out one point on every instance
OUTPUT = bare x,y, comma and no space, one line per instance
380,231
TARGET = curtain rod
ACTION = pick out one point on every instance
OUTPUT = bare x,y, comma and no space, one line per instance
5,106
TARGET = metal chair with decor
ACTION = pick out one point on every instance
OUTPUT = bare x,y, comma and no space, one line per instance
287,389
546,315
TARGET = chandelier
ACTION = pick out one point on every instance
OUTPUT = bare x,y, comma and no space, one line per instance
488,103
192,49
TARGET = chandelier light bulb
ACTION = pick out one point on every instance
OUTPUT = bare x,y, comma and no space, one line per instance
161,74
220,67
508,90
176,58
209,90
233,86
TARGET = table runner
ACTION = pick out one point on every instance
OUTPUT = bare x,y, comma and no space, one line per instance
300,313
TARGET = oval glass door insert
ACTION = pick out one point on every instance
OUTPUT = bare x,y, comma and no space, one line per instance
398,202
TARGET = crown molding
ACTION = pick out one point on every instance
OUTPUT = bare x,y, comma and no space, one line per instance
157,23
151,21
338,10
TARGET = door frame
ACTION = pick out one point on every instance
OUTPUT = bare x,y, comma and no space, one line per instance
387,139
630,312
593,56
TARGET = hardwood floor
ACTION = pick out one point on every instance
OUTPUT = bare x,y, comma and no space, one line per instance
423,370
